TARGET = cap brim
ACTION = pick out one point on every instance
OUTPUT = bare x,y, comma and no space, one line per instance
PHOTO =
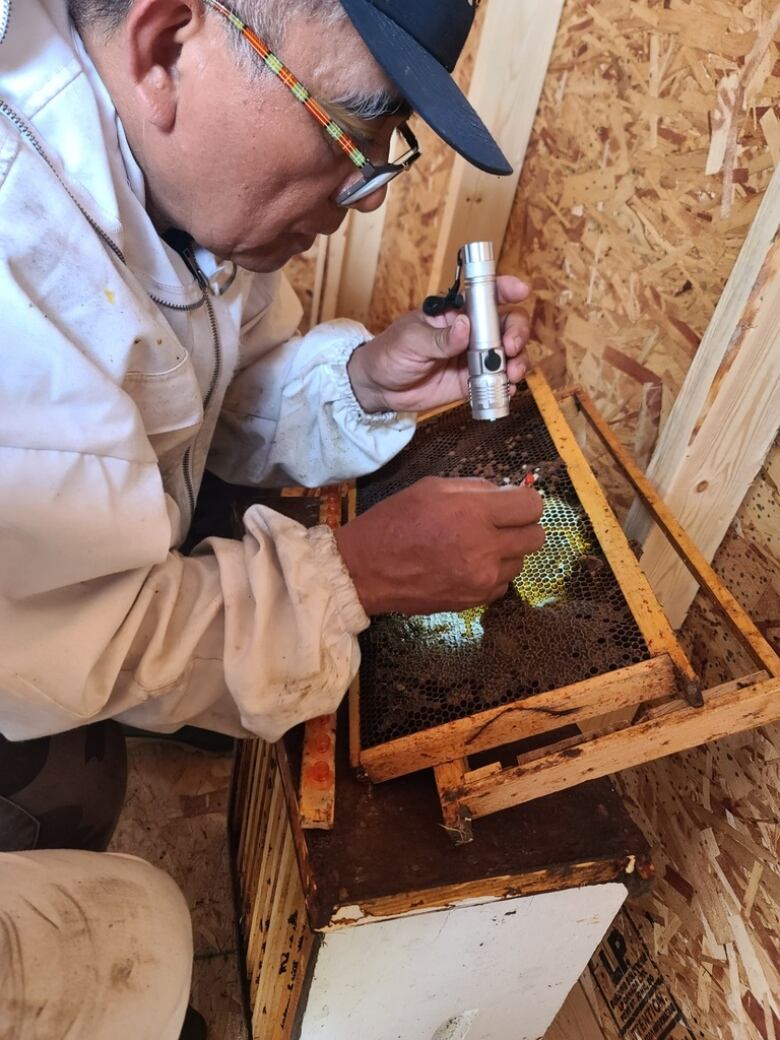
428,87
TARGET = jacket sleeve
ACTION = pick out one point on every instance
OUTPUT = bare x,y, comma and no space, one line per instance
99,616
290,414
99,619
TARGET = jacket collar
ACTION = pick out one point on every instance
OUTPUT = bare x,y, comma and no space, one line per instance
43,80
48,78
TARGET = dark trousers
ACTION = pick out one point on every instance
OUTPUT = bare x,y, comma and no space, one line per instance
62,792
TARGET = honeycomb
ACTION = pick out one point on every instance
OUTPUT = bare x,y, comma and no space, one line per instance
563,619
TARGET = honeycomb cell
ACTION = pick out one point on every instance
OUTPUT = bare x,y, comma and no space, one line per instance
564,619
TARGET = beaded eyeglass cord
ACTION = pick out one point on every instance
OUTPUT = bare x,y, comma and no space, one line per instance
279,69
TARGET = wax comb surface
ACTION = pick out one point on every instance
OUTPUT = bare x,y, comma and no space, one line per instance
563,620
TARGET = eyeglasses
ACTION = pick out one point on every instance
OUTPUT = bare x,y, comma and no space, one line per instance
372,177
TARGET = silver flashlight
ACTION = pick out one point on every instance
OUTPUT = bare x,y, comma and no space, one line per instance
488,382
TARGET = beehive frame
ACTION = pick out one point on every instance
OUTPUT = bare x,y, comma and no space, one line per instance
663,707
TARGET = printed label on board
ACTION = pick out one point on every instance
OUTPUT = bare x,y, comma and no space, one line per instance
633,989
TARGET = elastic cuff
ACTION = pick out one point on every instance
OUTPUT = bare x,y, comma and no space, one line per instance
338,579
344,393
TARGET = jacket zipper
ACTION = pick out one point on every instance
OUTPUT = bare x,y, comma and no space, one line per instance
189,259
5,18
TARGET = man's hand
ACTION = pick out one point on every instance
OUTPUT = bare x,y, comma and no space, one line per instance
419,362
441,544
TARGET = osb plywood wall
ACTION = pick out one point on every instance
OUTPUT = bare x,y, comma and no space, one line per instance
626,238
712,816
628,242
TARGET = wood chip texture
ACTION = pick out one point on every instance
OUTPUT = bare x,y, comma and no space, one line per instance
713,815
628,242
626,239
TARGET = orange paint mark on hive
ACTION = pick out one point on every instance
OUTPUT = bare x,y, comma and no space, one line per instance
319,774
321,744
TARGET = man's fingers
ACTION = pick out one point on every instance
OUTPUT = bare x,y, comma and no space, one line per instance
515,507
498,593
517,367
511,290
516,331
508,507
513,543
452,340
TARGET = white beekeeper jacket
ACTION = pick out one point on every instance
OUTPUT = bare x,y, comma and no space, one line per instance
119,376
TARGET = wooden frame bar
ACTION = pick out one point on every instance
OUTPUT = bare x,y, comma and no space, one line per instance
667,673
731,708
636,589
737,619
649,680
449,777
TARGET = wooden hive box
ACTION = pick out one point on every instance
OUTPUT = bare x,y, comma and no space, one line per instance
383,928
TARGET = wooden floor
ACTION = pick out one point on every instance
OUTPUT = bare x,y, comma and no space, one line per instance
175,816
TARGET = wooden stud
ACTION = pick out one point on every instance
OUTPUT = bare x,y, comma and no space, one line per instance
725,417
738,620
346,268
318,287
735,706
518,40
361,257
328,275
542,713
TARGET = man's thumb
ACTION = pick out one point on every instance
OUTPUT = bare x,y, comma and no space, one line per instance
455,339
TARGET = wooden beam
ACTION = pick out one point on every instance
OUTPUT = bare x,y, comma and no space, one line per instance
511,64
334,248
542,713
625,869
320,264
634,585
735,706
740,623
346,268
361,258
317,800
726,416
449,777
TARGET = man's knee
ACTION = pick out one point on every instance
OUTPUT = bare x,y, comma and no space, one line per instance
104,939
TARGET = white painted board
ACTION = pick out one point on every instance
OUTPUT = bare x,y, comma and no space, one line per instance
492,971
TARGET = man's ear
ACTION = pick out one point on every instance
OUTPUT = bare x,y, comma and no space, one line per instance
155,32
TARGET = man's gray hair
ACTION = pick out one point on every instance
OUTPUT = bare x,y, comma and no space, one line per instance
267,17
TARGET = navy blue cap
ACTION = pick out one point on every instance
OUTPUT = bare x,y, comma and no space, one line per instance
417,43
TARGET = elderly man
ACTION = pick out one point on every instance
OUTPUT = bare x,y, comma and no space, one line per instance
159,163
